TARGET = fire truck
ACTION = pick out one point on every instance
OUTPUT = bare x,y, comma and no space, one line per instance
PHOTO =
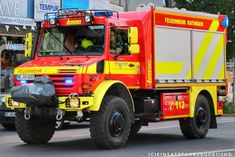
121,71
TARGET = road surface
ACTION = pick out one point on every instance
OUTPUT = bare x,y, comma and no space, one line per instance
158,140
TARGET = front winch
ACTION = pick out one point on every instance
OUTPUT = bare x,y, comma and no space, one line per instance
39,93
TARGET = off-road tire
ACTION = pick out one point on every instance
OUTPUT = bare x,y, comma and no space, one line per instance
35,130
8,126
114,113
135,128
194,128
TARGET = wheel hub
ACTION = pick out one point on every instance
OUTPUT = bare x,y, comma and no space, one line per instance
201,117
116,124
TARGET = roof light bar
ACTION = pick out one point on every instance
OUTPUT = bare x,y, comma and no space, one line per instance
104,13
62,13
49,16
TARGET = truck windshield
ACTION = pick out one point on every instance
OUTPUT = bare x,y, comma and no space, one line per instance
73,40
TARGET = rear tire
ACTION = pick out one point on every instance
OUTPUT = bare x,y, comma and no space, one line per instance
110,126
8,126
197,127
35,130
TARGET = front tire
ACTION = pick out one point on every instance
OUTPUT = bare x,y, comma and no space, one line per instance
110,126
35,130
198,126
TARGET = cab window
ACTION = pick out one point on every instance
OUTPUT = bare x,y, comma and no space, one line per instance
119,41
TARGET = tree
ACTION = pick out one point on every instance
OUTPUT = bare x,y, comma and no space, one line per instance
225,7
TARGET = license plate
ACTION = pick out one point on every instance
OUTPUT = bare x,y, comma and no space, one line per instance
9,114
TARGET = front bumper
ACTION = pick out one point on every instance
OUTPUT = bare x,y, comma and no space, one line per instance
6,114
64,103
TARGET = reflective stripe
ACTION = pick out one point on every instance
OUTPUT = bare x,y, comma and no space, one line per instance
221,74
178,116
43,70
214,59
201,52
169,67
214,26
116,67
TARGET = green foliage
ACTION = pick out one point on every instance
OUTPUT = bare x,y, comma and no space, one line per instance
229,108
225,7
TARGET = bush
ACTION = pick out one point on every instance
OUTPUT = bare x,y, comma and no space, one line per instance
229,107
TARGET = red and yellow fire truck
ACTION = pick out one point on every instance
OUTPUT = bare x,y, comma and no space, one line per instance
121,71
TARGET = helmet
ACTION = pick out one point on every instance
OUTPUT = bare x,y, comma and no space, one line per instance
85,43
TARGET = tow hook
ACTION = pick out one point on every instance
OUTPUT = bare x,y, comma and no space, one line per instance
59,114
27,113
79,115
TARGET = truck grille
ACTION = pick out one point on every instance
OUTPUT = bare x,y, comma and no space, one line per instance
62,81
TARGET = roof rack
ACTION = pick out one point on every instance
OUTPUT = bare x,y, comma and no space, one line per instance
74,12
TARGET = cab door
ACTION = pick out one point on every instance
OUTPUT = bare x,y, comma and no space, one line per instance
124,57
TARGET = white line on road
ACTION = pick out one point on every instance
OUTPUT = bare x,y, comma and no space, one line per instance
206,153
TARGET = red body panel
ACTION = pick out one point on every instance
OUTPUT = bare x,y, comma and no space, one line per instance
174,105
144,21
185,22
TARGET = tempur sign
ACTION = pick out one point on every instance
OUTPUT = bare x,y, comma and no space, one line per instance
44,6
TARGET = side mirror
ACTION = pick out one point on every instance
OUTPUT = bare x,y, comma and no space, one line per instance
28,45
134,47
133,35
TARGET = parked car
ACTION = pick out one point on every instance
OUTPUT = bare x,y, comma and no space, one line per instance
7,117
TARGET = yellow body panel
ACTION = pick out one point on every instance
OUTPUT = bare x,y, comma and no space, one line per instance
122,67
100,92
166,67
90,101
194,92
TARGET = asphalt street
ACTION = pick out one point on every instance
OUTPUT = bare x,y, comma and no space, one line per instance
157,140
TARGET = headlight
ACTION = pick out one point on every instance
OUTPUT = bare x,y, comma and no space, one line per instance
52,21
25,77
15,104
87,18
74,102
